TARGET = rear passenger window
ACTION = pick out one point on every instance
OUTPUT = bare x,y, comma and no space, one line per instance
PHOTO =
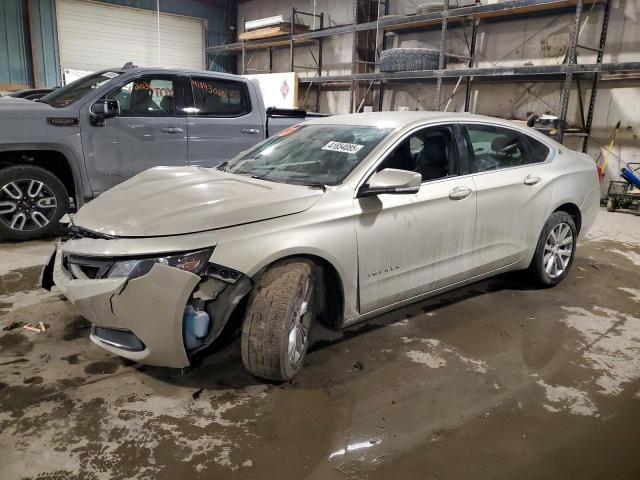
495,148
219,98
537,151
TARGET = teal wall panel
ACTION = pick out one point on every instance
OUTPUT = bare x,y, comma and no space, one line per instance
45,37
15,54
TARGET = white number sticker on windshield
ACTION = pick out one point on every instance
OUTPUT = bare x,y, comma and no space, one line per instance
342,147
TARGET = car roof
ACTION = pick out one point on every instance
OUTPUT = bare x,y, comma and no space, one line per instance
400,119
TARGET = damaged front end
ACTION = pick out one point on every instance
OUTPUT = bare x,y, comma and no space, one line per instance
211,305
155,309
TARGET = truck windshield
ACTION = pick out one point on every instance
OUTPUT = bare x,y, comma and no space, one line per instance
309,154
65,96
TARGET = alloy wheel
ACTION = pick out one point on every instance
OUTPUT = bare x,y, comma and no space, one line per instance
26,205
299,331
557,250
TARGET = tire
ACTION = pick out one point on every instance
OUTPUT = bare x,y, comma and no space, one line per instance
271,317
547,270
408,59
612,205
32,201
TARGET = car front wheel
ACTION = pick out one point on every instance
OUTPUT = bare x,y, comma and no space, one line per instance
279,315
32,200
555,249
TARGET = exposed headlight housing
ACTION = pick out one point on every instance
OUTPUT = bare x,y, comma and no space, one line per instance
192,262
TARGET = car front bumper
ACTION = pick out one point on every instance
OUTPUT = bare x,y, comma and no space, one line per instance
149,308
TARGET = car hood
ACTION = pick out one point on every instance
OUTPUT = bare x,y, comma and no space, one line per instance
177,200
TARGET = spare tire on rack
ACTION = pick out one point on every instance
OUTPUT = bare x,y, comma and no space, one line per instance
408,59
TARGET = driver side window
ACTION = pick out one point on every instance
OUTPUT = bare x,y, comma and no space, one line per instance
495,148
430,152
146,96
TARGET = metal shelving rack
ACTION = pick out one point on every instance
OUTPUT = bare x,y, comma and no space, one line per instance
568,73
289,41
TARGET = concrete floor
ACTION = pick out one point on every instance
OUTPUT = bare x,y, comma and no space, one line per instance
497,380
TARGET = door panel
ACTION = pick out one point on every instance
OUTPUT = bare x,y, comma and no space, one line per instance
147,133
514,192
510,214
222,122
412,244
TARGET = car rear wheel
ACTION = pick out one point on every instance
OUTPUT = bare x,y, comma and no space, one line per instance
279,316
32,201
555,249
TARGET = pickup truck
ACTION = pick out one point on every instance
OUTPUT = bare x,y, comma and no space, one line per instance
66,148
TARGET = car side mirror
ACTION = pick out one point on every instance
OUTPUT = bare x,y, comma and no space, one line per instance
103,109
392,181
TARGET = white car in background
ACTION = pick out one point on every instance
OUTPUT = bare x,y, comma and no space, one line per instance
335,220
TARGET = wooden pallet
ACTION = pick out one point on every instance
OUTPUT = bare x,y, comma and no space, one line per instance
269,32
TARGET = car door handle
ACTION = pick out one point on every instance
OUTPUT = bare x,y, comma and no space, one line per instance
172,130
531,179
250,131
459,193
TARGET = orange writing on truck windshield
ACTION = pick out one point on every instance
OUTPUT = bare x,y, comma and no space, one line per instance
157,91
209,88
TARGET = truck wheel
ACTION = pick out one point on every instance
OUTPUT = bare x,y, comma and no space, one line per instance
612,204
32,200
280,312
555,250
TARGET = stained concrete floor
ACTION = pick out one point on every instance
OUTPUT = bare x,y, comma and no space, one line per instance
496,380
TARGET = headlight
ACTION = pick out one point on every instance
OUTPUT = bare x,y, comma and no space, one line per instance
189,262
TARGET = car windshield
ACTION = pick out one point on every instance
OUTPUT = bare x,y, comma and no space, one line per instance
65,96
309,154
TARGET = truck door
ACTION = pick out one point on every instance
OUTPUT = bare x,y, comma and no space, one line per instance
223,120
150,130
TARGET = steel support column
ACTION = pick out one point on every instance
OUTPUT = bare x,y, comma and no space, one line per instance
571,60
594,82
443,36
472,60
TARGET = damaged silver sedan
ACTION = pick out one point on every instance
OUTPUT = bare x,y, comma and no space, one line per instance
334,221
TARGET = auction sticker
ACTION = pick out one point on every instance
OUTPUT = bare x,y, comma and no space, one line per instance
342,147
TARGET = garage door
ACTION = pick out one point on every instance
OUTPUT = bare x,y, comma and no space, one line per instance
93,36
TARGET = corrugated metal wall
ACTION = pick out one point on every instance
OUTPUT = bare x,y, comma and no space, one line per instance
15,54
217,16
17,66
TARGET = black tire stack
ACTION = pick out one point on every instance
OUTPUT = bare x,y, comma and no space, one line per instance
408,59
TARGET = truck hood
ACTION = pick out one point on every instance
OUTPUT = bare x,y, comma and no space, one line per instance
177,200
13,108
